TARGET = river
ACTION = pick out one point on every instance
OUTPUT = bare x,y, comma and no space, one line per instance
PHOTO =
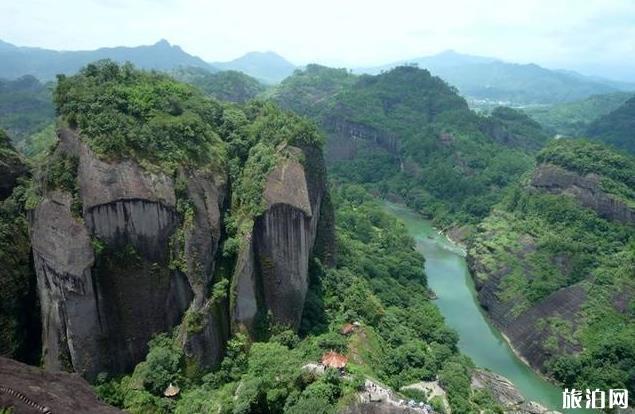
448,276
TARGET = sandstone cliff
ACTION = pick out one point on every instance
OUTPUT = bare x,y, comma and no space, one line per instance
587,189
129,253
29,390
105,280
271,277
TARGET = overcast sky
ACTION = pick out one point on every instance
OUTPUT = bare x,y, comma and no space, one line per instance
593,36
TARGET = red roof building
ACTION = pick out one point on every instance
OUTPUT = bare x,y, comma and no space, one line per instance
334,360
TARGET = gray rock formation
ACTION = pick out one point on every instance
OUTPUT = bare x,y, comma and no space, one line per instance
506,393
346,137
271,276
29,390
105,280
586,189
140,255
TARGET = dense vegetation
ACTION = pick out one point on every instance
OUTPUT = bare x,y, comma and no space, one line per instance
25,107
229,85
573,118
19,330
123,112
616,128
545,242
378,282
449,162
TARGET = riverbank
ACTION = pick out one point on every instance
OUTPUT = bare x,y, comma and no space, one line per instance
449,277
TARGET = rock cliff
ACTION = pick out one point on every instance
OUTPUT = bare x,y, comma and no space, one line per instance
131,252
105,278
271,276
29,390
587,189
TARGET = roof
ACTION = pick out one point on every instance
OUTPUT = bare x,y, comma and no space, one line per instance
334,360
171,391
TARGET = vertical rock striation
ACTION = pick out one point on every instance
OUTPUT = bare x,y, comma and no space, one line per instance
271,276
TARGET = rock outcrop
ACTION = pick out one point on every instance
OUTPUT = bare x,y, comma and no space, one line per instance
29,390
132,252
585,188
105,279
346,137
506,394
271,277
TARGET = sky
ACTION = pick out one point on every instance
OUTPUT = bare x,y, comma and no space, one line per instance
591,36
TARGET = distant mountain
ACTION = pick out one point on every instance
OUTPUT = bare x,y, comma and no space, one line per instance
573,118
616,128
44,64
226,85
268,67
25,107
487,79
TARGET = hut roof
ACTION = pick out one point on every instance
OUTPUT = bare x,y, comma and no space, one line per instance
334,360
171,391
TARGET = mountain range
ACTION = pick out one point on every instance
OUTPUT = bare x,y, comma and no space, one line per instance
484,81
44,64
489,80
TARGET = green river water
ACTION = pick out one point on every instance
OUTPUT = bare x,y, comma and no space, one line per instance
448,276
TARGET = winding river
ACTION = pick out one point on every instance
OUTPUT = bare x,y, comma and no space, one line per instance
448,276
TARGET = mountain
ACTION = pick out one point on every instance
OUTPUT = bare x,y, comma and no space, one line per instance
616,128
44,64
488,80
553,265
573,118
25,107
267,67
226,85
406,134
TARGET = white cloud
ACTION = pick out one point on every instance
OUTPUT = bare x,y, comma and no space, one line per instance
568,33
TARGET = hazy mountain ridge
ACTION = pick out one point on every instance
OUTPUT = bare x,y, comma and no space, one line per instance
491,79
268,67
44,64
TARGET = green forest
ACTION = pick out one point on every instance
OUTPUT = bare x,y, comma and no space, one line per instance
539,215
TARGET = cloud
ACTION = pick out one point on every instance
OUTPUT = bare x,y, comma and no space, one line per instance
568,33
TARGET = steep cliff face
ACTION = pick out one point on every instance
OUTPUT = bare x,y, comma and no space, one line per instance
346,137
587,189
272,272
105,279
556,251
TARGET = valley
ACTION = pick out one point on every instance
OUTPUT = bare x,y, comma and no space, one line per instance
254,237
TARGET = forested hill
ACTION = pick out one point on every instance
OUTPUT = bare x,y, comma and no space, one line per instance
616,128
554,265
408,134
227,85
572,119
25,106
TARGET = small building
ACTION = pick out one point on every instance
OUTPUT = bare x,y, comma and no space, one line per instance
334,360
171,391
